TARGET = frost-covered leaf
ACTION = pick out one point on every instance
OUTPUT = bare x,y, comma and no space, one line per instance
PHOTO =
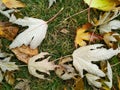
92,80
13,3
108,27
1,76
7,65
84,56
43,66
33,35
24,53
51,2
7,12
23,84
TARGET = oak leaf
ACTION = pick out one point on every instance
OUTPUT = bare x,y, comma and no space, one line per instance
7,30
24,53
13,3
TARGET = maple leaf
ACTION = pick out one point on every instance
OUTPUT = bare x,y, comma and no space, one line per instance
7,30
13,3
51,2
105,5
6,65
83,57
24,53
82,35
33,35
41,66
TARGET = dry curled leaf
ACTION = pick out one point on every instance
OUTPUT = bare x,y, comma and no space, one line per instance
7,30
23,84
9,77
44,66
13,3
24,53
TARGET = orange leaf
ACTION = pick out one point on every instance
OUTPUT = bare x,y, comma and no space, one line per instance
7,30
24,53
82,35
13,3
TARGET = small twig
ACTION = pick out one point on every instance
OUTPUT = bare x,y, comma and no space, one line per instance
75,14
51,19
22,65
115,64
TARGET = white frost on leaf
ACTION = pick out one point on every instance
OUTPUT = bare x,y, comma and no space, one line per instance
83,57
109,75
6,65
33,35
51,3
42,66
92,80
108,27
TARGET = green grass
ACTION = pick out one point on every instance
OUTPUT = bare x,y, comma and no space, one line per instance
56,43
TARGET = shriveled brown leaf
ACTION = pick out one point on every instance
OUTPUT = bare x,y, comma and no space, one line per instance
9,77
64,30
24,53
13,3
65,60
7,30
79,84
23,84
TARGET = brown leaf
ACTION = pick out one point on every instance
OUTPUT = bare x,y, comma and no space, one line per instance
13,3
24,53
7,30
79,84
65,60
9,77
23,84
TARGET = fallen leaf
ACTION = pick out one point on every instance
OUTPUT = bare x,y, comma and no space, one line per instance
24,53
51,2
6,65
105,18
2,6
64,31
23,84
118,79
79,84
82,35
33,35
1,76
13,3
84,56
105,5
65,72
108,27
43,66
7,30
9,77
65,60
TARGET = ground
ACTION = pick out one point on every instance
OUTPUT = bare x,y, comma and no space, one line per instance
56,43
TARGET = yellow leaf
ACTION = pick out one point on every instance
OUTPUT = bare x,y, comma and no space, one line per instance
7,30
24,53
105,5
13,3
82,35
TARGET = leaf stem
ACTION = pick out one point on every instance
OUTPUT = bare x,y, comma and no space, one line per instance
51,19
